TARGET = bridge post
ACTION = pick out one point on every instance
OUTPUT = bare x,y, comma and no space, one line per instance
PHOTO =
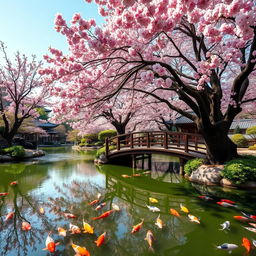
148,140
107,147
186,143
182,163
131,140
118,143
165,140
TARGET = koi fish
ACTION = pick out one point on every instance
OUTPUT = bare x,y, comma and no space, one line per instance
207,198
193,218
115,207
41,210
100,206
174,212
137,227
136,175
183,208
103,215
225,225
74,229
94,202
14,183
69,215
251,229
50,244
62,231
4,194
153,200
246,244
149,238
100,239
126,176
159,222
87,228
98,195
153,208
250,216
9,216
241,218
25,226
147,172
228,247
254,243
81,251
253,224
224,204
227,201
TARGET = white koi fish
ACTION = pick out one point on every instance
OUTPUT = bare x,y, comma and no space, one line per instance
193,218
159,222
251,229
153,208
228,247
150,238
254,243
74,229
225,225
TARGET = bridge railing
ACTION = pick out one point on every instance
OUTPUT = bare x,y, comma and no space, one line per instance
188,142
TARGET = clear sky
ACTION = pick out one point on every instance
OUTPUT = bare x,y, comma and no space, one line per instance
28,25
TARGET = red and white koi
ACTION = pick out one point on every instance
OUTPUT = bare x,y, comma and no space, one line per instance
80,251
159,222
74,229
150,238
100,240
252,224
25,226
246,244
137,227
241,218
207,198
103,215
193,218
224,204
227,201
250,216
9,216
251,229
69,215
62,232
14,183
100,206
50,244
4,193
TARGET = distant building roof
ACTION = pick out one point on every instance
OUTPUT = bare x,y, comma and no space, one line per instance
46,125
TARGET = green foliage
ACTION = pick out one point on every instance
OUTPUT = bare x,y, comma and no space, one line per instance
106,134
240,170
15,151
192,165
43,115
251,131
240,140
102,151
253,147
98,143
90,138
237,130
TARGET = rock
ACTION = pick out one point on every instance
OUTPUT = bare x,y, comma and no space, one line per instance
207,174
247,185
227,183
5,158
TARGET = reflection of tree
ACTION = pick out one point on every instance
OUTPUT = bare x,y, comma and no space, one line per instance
25,208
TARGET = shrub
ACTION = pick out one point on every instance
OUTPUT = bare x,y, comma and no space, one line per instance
106,134
15,151
239,140
251,131
240,170
253,147
90,138
102,151
192,165
237,130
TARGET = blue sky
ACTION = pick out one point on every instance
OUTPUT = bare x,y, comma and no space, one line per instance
28,25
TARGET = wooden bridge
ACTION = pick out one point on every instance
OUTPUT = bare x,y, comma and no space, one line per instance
182,145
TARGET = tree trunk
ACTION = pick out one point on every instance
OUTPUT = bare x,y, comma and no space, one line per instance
220,147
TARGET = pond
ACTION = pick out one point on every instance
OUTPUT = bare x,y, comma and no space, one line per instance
64,181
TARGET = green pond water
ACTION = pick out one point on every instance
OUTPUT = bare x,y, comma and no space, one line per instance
66,181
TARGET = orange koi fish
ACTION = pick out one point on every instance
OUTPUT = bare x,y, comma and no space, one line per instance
137,227
150,238
74,229
193,218
100,206
81,251
4,194
136,175
25,226
9,216
50,244
227,201
100,239
103,215
14,183
126,176
62,231
246,244
69,215
94,202
174,212
241,218
183,208
159,222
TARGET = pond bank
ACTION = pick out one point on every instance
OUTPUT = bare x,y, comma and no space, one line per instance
29,153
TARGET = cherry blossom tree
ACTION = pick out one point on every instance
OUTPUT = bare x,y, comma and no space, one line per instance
22,90
198,52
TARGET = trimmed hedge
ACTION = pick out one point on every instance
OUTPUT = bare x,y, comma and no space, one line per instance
192,165
15,151
240,140
106,134
102,151
241,169
253,147
251,131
